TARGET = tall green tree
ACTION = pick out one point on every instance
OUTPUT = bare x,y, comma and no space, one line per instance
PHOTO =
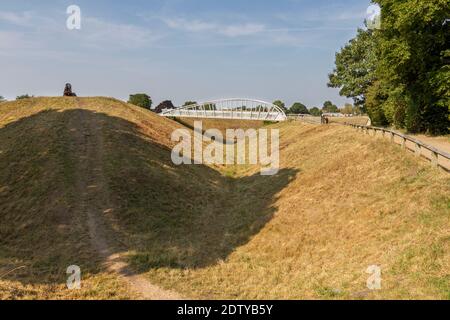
375,98
355,67
315,112
348,109
413,67
280,104
141,99
400,73
329,107
298,108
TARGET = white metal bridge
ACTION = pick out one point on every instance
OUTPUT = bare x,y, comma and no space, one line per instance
234,109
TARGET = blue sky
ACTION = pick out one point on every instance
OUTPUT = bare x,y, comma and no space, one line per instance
177,49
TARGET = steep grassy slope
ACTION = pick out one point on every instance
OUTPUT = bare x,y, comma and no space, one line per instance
43,210
221,125
340,203
362,121
355,202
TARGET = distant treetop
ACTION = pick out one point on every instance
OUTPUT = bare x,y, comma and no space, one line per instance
164,105
329,107
298,108
24,96
141,100
280,104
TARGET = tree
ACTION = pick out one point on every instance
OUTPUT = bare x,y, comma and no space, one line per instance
315,112
374,105
299,108
210,106
329,107
24,96
2,99
141,100
189,103
280,104
164,106
413,66
355,67
348,109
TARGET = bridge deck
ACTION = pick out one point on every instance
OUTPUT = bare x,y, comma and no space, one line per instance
233,109
220,114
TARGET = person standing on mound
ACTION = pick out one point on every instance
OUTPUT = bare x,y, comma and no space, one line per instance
68,91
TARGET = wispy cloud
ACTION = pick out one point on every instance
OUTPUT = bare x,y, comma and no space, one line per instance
42,32
12,40
190,26
22,19
97,32
242,30
199,26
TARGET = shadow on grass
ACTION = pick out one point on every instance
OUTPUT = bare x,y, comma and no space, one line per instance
167,216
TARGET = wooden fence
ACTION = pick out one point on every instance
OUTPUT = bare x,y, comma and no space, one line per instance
304,118
437,157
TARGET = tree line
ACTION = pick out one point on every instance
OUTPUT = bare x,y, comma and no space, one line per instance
21,97
400,73
328,107
145,101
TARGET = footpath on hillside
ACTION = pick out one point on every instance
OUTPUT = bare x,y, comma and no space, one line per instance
94,200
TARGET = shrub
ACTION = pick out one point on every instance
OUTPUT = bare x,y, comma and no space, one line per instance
24,96
141,100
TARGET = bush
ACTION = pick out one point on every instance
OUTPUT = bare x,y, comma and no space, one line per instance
165,105
329,107
24,96
298,108
141,100
315,112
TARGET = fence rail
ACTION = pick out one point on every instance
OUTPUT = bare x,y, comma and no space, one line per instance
304,118
435,155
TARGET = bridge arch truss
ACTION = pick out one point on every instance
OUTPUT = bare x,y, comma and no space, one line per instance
233,109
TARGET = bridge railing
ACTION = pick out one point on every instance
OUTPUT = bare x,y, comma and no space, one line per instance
226,114
437,157
234,108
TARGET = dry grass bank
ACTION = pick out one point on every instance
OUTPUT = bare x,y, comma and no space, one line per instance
354,202
362,121
222,125
43,229
341,202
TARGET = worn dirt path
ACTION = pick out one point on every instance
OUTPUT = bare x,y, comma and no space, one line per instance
93,200
441,143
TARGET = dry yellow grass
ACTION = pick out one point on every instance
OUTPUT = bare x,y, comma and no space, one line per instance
43,230
362,121
341,202
221,125
354,202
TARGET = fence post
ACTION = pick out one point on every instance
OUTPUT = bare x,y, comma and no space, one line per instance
434,159
403,143
392,137
417,148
